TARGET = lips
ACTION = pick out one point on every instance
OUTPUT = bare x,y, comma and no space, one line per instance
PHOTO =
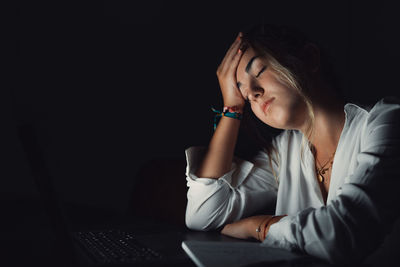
267,103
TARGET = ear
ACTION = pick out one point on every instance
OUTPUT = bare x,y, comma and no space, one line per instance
311,57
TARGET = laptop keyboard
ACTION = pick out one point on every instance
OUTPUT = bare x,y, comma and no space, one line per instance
114,246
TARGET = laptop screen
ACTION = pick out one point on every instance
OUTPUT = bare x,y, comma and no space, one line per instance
44,183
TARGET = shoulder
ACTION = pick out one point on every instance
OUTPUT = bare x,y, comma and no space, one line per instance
380,122
385,110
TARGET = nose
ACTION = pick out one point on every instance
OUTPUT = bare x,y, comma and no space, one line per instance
256,93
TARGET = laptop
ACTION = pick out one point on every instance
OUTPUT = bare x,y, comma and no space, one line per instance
215,253
141,243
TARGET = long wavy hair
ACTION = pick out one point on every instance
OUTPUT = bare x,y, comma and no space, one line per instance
282,47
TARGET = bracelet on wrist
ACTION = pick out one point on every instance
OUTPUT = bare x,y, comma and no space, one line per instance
258,230
267,225
230,112
232,109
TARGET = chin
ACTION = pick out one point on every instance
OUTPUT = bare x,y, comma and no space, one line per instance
279,119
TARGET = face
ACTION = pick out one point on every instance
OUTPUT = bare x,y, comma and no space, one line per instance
272,102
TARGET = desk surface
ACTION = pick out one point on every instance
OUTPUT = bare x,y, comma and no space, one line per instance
30,240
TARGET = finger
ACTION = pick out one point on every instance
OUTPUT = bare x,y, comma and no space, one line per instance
234,63
236,43
232,58
232,50
231,67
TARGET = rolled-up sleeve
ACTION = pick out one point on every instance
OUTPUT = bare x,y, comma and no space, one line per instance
247,188
357,220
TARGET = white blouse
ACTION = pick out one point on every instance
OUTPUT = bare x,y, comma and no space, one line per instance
363,199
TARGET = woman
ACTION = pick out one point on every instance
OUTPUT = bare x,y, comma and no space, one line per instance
331,172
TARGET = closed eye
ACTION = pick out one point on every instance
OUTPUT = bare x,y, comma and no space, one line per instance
261,71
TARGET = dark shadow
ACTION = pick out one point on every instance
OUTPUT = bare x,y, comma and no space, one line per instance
159,192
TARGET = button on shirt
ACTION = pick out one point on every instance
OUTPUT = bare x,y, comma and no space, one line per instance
363,199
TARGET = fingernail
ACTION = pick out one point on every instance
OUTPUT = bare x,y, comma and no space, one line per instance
239,51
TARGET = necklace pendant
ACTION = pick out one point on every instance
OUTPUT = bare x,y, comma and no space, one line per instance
321,178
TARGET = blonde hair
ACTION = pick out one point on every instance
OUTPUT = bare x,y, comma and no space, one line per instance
287,77
282,46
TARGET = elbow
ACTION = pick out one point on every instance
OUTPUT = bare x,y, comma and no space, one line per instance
204,217
194,224
191,222
205,214
198,222
196,218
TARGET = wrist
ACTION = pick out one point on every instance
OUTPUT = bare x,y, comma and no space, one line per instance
273,220
260,225
231,112
234,107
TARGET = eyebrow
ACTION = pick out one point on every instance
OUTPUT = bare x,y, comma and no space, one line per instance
247,69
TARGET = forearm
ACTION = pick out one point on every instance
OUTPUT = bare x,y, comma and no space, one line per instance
219,156
251,227
262,224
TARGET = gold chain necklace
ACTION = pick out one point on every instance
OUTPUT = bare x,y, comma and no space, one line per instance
322,170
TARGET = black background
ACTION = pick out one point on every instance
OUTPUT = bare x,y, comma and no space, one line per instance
110,85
